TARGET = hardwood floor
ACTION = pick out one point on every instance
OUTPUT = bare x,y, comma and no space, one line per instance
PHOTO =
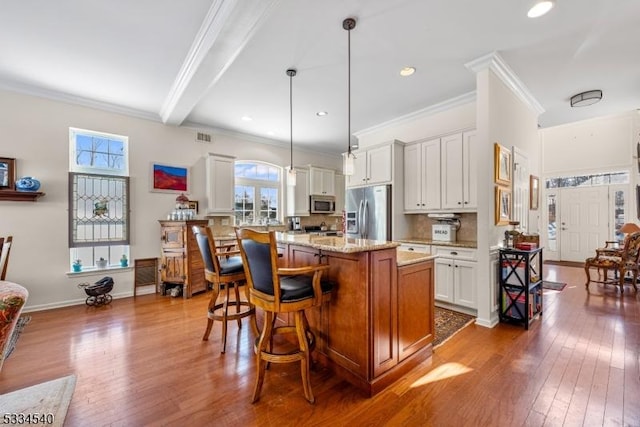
143,362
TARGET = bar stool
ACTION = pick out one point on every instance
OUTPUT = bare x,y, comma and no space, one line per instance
223,270
281,290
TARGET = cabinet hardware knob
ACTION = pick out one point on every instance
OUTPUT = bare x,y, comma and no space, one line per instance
466,203
454,253
459,203
411,249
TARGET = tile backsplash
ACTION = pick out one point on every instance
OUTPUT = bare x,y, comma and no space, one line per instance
331,221
420,226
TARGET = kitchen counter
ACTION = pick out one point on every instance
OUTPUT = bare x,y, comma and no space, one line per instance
408,258
344,245
425,241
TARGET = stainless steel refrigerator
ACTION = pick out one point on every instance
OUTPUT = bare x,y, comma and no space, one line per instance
368,212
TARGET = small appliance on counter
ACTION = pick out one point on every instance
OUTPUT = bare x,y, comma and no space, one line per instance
294,224
446,227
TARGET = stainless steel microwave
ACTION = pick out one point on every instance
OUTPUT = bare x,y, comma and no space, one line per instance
322,204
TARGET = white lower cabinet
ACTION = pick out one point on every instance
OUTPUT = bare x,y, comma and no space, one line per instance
456,276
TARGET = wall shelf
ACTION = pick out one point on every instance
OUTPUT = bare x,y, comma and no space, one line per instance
20,196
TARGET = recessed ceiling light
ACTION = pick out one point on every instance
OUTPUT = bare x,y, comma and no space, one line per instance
540,8
321,113
271,133
407,71
246,119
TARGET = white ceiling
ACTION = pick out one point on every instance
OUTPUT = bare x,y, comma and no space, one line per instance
207,63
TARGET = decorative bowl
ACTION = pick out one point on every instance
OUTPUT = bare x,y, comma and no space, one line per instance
27,183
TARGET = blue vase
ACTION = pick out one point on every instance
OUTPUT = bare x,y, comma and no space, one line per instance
27,184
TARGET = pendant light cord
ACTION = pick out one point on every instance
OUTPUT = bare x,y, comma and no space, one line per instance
349,91
349,24
291,72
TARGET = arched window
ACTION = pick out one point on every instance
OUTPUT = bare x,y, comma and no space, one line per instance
257,193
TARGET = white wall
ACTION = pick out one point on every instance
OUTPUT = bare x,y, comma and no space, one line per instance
504,118
36,132
602,144
421,127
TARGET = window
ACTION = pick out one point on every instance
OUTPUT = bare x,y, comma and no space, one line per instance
98,197
257,193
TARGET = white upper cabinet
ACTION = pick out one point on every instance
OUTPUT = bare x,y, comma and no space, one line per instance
339,186
422,176
372,166
459,172
220,175
298,196
321,181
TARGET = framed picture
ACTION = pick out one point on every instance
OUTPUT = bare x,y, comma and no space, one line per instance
502,165
7,173
503,205
638,155
193,204
534,192
169,178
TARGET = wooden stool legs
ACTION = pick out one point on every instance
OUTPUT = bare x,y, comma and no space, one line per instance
265,354
224,316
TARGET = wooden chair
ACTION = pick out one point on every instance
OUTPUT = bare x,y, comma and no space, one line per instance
5,248
224,271
621,261
281,290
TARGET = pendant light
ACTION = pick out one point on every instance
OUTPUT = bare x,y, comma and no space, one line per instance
349,158
291,175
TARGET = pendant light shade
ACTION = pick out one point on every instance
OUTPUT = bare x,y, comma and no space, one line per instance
291,174
348,167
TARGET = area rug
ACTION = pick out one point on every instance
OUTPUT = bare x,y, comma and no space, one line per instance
554,286
47,402
22,321
448,323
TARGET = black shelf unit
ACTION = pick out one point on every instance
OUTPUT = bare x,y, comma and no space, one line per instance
520,277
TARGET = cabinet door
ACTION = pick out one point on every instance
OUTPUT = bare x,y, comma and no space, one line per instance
451,152
379,162
359,176
415,292
321,181
469,170
464,284
339,193
431,180
444,280
172,270
220,184
298,196
172,237
412,178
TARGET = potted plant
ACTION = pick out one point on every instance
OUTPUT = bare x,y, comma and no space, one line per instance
124,261
77,265
101,263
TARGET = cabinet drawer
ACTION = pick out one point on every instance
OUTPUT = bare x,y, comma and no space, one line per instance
425,249
454,252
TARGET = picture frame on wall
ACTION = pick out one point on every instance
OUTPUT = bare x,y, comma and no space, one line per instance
169,178
502,165
534,192
503,205
193,204
7,173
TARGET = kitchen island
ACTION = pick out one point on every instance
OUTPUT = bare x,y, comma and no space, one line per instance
379,323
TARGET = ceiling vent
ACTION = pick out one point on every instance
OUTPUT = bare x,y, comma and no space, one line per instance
203,137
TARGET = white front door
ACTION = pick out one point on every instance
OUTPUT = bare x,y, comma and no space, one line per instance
583,224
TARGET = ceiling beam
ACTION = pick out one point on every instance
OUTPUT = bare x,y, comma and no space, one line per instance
226,29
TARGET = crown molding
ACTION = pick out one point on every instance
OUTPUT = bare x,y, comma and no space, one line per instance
425,112
495,63
77,100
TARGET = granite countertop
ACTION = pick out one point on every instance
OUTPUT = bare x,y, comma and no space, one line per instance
425,241
334,243
408,258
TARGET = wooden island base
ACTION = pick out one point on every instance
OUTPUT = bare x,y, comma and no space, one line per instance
379,323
